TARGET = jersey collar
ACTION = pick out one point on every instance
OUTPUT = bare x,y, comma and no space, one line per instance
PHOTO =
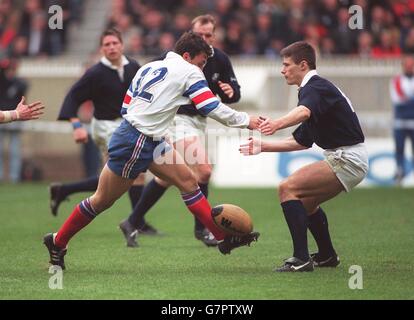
172,54
307,77
108,63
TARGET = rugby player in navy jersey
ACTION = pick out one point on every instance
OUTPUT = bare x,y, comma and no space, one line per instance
327,118
105,85
188,132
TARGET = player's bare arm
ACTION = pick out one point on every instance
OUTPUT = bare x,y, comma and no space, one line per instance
80,134
294,117
255,146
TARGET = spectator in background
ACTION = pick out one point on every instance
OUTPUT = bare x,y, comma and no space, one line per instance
166,42
134,46
409,42
364,49
402,97
38,40
263,32
388,47
343,36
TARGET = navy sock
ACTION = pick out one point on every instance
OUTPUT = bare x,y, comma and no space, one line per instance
318,226
297,220
134,194
198,226
150,195
89,184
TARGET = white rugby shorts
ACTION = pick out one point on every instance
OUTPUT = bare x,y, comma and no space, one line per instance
350,164
102,131
185,126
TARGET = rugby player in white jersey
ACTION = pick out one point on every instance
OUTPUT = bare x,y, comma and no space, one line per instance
150,105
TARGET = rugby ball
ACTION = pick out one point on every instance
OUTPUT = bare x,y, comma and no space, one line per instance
232,219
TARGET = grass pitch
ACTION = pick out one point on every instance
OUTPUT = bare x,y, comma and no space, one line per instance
372,228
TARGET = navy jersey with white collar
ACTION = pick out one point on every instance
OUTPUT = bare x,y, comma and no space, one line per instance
333,122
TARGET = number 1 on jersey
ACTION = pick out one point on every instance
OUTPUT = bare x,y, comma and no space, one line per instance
147,80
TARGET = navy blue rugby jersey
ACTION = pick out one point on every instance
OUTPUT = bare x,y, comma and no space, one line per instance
333,122
103,86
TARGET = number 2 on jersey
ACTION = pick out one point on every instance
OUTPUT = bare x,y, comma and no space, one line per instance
147,80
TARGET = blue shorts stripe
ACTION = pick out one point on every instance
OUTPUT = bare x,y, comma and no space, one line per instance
132,152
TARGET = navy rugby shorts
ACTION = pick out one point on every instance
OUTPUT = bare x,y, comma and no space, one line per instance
131,152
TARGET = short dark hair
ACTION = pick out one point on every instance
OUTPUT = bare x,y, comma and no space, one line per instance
204,19
300,51
111,32
192,43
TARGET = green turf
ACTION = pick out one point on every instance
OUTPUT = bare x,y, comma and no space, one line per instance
372,228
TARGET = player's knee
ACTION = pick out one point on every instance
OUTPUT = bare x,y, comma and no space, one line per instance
204,173
101,203
161,182
284,190
187,182
140,180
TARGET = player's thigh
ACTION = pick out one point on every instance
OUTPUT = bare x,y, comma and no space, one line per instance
174,172
110,188
196,157
314,180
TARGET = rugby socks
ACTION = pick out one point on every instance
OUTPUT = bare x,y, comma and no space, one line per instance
318,226
197,203
89,184
297,220
198,226
134,194
150,195
81,216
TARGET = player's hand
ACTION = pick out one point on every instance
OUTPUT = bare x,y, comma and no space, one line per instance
30,111
252,147
80,135
253,123
227,89
267,126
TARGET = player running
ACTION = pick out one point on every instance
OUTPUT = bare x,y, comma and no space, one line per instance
188,133
138,144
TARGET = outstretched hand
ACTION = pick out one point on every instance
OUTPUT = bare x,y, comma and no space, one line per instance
254,123
267,126
29,112
252,147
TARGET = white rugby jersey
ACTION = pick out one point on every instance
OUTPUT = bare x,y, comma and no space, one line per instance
160,87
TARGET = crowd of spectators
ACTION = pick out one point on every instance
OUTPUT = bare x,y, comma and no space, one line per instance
263,27
244,27
24,27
